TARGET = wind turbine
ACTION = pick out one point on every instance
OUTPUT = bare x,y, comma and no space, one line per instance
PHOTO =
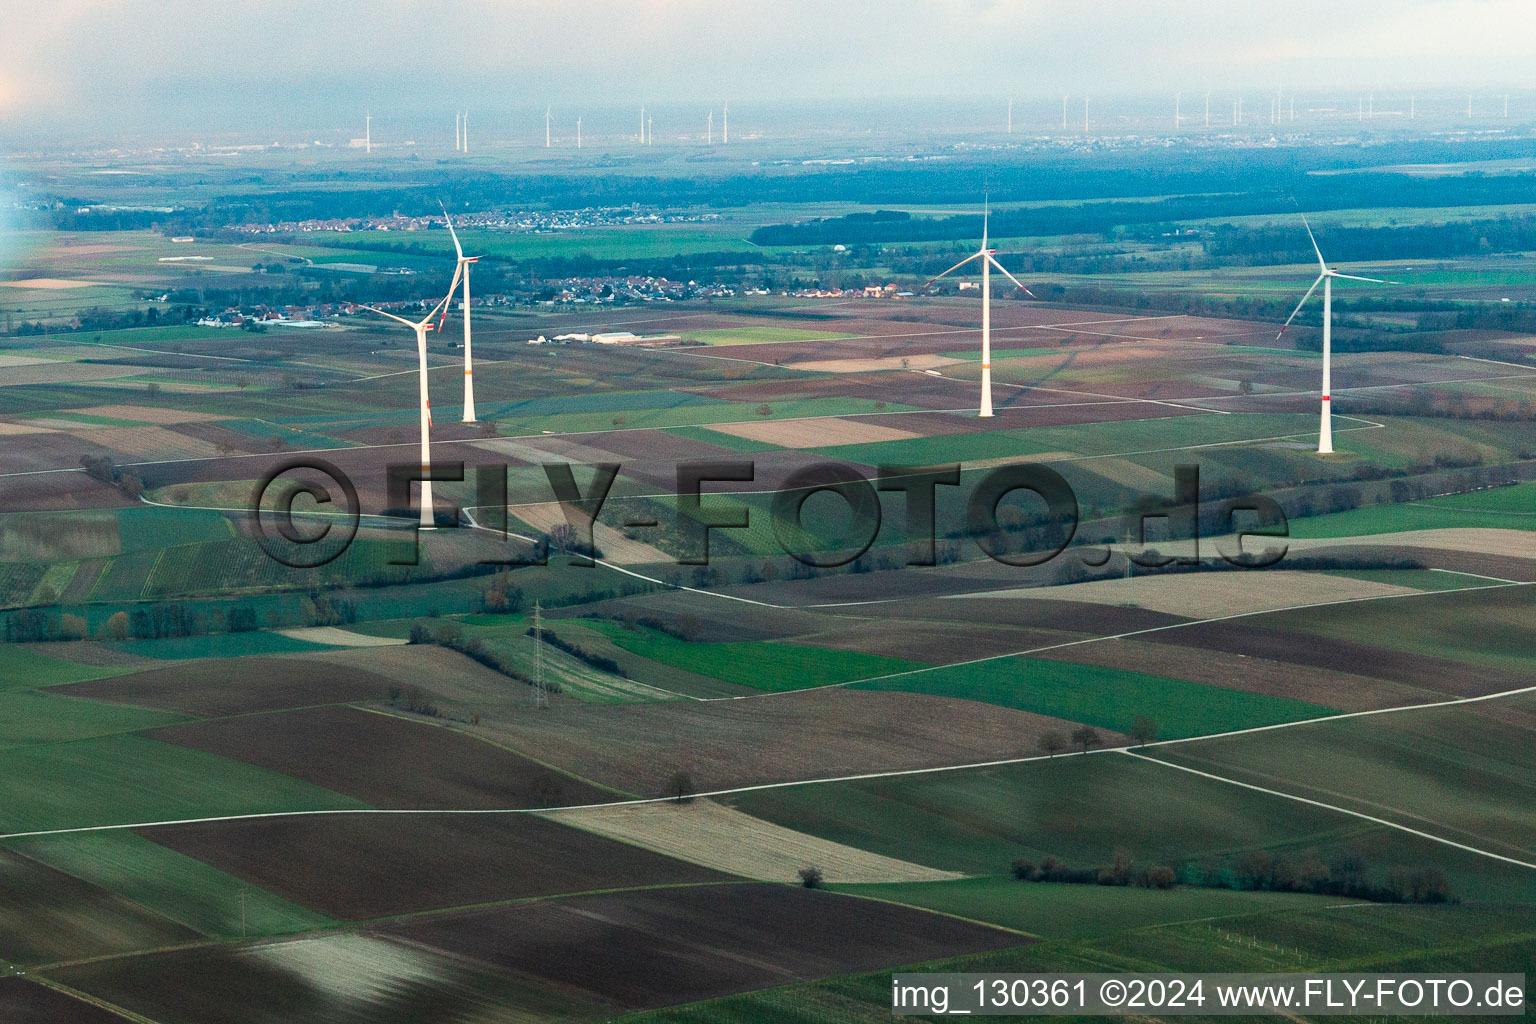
421,327
469,362
1325,278
985,254
546,127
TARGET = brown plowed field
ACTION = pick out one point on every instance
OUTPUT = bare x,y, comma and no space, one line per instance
386,761
727,743
1438,675
359,866
939,643
919,390
1069,616
1338,689
236,686
26,1002
669,946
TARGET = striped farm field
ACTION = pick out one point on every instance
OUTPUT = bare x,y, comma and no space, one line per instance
1104,697
762,665
708,833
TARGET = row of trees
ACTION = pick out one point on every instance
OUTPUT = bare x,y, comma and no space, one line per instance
1346,874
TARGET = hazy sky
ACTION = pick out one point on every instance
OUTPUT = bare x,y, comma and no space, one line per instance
153,63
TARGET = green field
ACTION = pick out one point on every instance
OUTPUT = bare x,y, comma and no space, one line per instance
1074,911
1105,697
1486,626
1342,937
122,779
1081,809
217,645
1462,773
28,717
24,668
171,884
1503,508
762,665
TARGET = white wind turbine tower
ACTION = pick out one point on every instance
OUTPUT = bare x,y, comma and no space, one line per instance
988,261
469,362
368,129
1325,278
709,137
578,135
421,327
1010,115
546,127
642,126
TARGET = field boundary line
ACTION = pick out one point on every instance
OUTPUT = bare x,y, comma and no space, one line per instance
1140,632
1332,807
759,787
90,1000
1474,575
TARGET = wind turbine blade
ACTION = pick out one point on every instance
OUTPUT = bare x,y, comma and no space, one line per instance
442,307
986,216
1314,243
954,268
1303,302
456,247
1373,280
1009,276
392,316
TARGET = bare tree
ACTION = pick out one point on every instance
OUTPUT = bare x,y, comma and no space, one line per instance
810,877
1143,730
1052,743
680,787
1086,736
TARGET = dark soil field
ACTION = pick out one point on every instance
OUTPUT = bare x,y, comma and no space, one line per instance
1346,690
802,735
939,643
357,867
1067,616
62,491
1437,675
47,916
206,689
26,1002
387,761
657,948
340,979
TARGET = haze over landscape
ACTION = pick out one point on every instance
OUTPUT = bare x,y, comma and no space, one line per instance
673,513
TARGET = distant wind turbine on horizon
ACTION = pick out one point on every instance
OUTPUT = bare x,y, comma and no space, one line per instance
988,261
1325,278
